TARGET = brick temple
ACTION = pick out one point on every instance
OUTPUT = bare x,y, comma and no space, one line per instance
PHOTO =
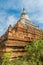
16,37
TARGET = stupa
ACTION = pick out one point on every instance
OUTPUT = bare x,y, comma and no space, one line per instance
16,37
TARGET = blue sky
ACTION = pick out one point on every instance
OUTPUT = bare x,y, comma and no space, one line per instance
10,11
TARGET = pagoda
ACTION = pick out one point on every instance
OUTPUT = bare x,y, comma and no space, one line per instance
16,37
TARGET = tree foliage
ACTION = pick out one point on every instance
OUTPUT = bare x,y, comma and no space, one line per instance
35,52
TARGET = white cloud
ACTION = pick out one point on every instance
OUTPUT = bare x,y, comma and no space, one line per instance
1,29
5,21
35,7
30,5
40,20
11,20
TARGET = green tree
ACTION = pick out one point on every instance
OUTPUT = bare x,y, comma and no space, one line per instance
6,58
35,52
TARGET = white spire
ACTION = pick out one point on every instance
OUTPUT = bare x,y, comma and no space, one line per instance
24,11
24,14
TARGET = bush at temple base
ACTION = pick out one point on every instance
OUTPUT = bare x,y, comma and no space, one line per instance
34,57
35,51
